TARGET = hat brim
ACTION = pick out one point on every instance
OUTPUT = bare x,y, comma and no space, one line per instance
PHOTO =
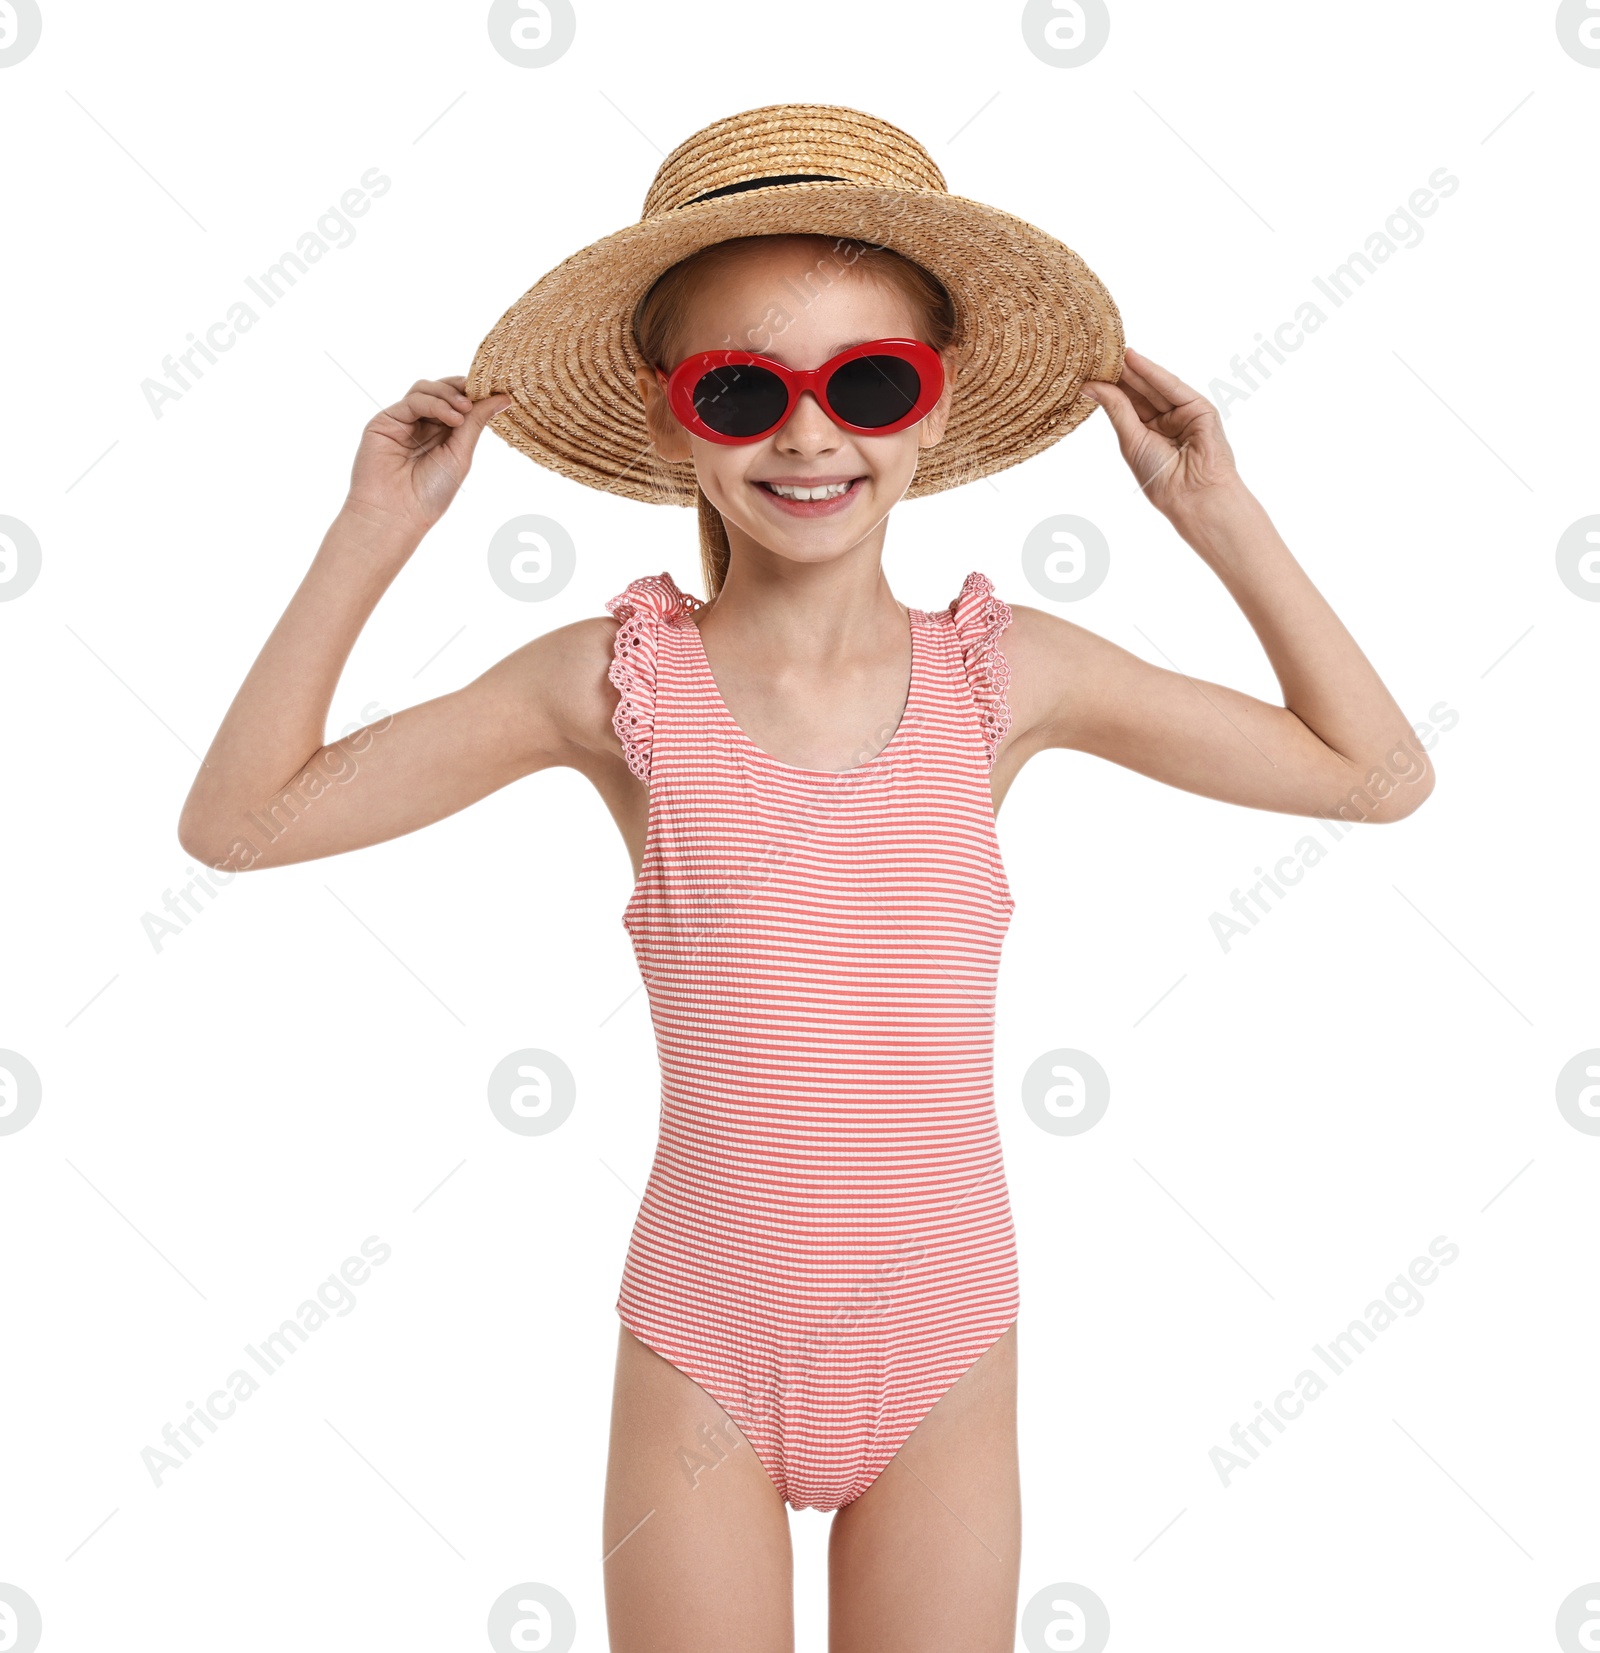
1033,322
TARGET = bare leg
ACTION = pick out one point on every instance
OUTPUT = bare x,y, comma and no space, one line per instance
696,1536
930,1554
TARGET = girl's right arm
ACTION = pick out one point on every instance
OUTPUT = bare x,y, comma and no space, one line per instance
270,791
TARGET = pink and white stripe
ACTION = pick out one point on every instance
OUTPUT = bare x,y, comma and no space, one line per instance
825,1242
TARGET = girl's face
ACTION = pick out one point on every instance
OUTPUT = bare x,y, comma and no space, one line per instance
788,300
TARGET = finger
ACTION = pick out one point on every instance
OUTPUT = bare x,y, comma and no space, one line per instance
1124,417
450,390
420,404
1169,384
456,388
1136,384
1146,409
464,440
486,407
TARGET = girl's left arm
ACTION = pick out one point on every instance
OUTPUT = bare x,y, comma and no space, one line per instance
1338,742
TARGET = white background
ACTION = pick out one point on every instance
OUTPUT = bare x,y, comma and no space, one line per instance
226,1119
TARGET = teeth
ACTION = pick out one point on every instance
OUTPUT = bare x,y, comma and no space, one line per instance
832,491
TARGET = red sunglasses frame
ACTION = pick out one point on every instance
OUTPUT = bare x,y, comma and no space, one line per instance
686,375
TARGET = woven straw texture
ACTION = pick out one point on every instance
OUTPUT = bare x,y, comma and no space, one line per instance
1033,321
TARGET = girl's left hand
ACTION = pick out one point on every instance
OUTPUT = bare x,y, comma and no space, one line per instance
1170,435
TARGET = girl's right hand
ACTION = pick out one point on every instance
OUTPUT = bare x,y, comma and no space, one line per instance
415,454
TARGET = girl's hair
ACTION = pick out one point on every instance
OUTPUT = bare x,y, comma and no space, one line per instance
661,312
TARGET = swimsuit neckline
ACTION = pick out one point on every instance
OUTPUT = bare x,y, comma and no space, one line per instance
915,621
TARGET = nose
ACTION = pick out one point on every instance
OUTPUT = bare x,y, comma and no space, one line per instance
808,428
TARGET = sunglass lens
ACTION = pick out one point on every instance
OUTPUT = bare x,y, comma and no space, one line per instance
873,391
740,401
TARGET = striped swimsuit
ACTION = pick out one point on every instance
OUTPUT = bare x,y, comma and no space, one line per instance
825,1242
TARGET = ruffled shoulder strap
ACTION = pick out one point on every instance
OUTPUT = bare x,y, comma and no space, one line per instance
645,608
978,618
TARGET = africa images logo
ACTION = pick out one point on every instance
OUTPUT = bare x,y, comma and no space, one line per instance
334,1297
333,231
1401,1296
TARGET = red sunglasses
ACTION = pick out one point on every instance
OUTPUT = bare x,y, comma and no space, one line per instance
737,396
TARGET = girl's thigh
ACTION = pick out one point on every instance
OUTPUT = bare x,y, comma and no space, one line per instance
696,1538
930,1554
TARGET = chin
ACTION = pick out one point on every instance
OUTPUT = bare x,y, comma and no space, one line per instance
809,548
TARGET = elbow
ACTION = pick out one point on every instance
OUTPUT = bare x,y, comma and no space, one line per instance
192,841
1407,795
1387,793
199,849
1404,804
201,841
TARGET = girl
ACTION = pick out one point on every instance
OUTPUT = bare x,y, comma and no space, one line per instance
819,1303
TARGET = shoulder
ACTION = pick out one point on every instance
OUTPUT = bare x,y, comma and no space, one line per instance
1041,646
598,652
557,700
1064,677
1034,629
552,697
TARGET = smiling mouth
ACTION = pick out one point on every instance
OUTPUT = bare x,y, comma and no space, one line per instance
820,491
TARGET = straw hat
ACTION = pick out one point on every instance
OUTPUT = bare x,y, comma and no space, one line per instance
1032,319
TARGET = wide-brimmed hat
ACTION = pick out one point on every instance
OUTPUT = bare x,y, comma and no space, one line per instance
1033,321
